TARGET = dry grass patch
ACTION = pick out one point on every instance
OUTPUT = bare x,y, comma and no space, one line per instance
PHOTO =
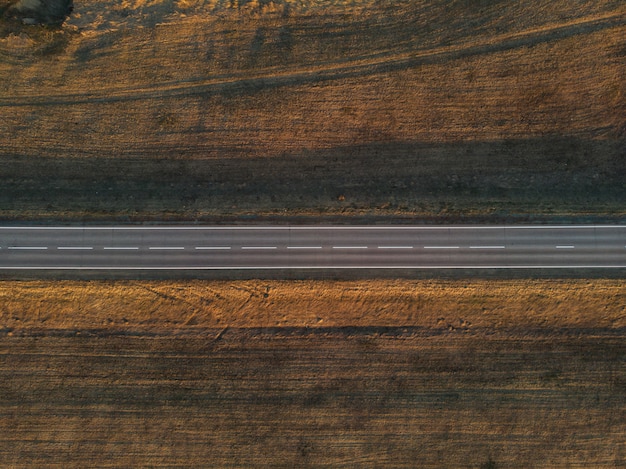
404,107
166,306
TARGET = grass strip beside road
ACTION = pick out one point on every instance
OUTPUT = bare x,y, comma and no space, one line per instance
167,307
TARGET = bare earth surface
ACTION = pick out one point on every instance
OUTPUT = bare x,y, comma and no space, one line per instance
308,398
212,110
288,374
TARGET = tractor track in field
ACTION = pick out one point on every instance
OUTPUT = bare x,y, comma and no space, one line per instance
380,62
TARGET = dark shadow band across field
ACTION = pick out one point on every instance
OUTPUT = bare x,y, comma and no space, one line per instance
213,336
500,180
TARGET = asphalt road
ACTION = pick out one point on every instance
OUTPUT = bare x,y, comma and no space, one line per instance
311,247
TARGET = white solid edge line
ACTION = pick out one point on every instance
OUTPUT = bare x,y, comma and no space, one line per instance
166,248
304,247
395,247
261,248
566,247
27,248
316,227
213,248
341,267
74,248
113,248
487,247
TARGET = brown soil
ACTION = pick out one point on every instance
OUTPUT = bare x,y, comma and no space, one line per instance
472,374
200,109
365,399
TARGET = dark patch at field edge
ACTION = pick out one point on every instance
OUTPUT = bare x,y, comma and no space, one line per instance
362,398
213,335
543,177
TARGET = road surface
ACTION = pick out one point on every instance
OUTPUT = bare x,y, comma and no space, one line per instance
311,247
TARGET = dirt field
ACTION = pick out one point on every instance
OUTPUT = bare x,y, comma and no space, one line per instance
364,398
213,110
481,374
201,110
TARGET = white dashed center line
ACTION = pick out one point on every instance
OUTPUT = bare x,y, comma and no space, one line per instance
74,248
487,247
166,248
213,248
395,247
28,248
565,247
121,248
349,247
263,248
304,247
442,247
